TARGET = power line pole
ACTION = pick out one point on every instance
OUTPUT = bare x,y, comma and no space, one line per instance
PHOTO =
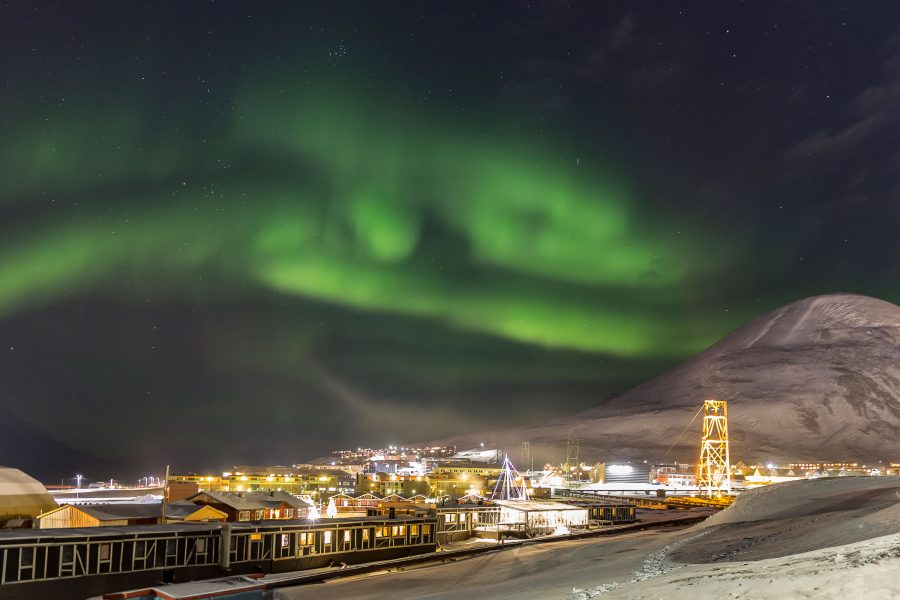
165,502
572,451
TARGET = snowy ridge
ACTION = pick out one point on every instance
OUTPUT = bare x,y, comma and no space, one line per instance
818,379
860,570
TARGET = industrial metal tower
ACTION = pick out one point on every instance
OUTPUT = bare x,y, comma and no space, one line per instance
714,466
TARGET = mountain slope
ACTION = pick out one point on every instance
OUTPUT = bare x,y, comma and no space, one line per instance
26,448
818,379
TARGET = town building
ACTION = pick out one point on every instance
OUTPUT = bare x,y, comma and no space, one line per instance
461,478
73,564
68,516
186,511
382,484
316,482
540,517
463,521
254,506
767,476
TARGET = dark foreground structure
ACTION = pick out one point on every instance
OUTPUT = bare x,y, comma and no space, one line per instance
76,563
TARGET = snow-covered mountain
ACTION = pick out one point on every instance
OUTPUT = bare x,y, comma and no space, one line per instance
818,379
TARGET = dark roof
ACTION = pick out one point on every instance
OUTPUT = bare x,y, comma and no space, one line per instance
182,508
252,500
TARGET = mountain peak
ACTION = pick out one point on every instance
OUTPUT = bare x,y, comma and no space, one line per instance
818,379
827,319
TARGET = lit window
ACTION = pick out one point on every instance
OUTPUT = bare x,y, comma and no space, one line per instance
327,537
347,535
365,535
289,513
244,515
413,530
395,531
379,532
285,540
104,551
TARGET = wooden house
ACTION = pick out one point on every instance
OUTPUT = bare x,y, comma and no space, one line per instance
188,512
99,515
254,506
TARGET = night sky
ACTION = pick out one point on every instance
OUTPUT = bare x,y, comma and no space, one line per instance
247,233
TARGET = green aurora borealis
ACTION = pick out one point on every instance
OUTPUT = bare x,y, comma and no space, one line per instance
334,207
365,226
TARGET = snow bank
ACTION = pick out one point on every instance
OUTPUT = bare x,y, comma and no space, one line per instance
809,497
862,570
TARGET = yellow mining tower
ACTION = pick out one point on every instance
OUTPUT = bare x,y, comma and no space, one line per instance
714,467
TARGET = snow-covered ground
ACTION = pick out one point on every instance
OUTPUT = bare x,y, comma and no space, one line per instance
826,538
867,570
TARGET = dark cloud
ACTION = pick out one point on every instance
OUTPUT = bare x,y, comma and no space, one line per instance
873,113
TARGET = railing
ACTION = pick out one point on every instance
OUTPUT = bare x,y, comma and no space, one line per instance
48,557
680,498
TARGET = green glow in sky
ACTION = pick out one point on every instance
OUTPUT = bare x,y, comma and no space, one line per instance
350,203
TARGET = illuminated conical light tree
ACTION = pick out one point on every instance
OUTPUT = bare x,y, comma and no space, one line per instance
313,513
331,511
510,484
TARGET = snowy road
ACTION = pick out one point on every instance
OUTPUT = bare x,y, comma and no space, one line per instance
532,572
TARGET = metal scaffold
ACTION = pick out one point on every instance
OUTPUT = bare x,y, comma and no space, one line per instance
714,466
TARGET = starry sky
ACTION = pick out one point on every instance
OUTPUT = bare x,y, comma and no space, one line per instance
252,234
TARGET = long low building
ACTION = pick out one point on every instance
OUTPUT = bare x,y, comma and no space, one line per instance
73,564
541,516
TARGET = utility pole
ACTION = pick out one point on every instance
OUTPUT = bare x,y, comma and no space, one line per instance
572,451
165,502
526,454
